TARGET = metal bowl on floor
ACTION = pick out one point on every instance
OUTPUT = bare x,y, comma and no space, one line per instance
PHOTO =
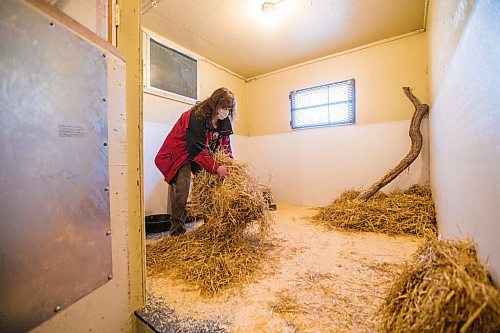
157,223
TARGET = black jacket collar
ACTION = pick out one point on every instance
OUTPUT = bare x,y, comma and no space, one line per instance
224,127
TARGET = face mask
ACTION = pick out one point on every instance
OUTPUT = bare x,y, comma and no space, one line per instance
222,114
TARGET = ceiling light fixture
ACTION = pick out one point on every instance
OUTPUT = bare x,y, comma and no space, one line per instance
269,7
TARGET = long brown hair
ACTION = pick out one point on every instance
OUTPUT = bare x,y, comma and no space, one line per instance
221,98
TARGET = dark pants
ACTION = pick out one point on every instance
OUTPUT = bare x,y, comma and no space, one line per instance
178,194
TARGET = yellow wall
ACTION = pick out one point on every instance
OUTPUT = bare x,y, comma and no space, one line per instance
353,156
212,77
129,41
380,71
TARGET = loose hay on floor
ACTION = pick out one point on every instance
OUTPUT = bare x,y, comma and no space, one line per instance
335,281
318,303
400,212
443,289
230,245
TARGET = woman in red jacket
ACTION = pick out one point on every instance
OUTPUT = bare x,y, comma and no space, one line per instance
198,134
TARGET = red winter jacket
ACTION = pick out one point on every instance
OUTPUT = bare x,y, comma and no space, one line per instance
193,139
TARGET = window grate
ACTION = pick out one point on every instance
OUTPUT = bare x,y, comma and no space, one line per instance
172,71
325,105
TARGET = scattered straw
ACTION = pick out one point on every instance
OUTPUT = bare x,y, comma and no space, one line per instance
326,302
444,289
229,247
399,212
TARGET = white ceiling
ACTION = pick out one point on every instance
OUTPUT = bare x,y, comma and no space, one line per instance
237,35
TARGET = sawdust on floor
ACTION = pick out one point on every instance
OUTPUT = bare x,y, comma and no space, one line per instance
314,281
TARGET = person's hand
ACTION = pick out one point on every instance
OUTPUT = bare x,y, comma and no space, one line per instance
222,171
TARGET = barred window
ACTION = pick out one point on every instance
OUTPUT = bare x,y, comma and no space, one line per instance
326,105
170,71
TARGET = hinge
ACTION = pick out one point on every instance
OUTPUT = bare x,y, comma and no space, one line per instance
117,15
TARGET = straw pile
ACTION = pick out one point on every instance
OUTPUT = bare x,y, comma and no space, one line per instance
443,289
230,246
400,212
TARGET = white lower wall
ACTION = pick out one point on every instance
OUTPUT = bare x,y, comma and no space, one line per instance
307,167
155,188
312,167
464,132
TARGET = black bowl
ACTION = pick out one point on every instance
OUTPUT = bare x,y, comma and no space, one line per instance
157,223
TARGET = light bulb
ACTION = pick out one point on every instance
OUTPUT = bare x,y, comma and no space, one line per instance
268,7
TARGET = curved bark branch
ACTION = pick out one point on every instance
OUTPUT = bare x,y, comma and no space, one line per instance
416,145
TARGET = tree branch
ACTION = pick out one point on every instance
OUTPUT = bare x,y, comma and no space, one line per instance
416,145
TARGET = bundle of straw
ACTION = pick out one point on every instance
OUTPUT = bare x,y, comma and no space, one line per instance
443,289
230,246
400,212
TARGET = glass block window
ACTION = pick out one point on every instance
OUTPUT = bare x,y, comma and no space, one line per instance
171,71
325,105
